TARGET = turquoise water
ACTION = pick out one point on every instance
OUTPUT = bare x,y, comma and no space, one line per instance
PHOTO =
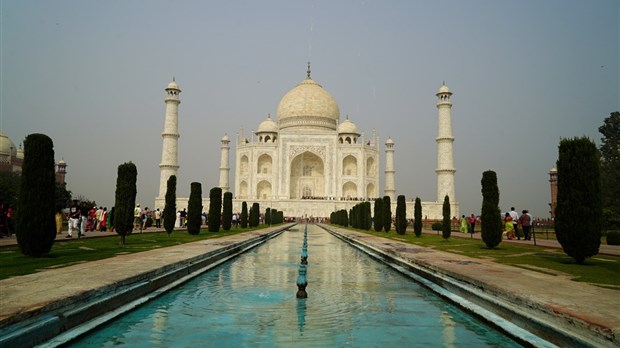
353,301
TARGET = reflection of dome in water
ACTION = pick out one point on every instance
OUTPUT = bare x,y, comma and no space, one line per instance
308,105
7,148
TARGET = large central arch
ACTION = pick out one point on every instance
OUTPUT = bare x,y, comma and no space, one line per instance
307,176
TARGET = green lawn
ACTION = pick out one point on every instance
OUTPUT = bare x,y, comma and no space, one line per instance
601,270
75,251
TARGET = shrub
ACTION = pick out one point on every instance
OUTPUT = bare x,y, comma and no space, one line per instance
125,199
215,209
613,238
170,209
268,216
378,218
244,215
194,208
437,226
387,213
446,227
417,215
35,222
491,220
227,211
401,215
578,215
255,215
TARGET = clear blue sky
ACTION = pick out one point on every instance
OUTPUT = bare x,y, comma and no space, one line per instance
91,75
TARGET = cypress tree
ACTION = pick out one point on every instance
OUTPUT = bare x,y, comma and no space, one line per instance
194,208
125,199
215,209
401,215
446,228
417,215
227,211
254,215
610,171
244,215
367,216
268,216
378,218
578,215
170,209
35,223
387,213
490,216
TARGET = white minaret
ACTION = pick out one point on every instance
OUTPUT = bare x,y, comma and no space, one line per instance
445,159
390,189
170,150
224,169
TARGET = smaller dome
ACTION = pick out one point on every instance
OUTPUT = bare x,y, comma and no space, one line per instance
444,89
553,170
225,138
173,85
267,126
7,148
62,161
347,127
389,141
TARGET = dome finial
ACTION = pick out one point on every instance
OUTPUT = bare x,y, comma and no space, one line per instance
308,72
173,78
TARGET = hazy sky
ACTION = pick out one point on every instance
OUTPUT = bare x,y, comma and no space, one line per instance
91,75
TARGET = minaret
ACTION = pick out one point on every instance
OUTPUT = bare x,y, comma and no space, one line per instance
445,160
224,169
170,150
390,189
61,171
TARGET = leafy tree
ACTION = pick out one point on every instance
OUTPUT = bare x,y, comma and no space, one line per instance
9,188
125,199
227,211
417,215
215,209
244,215
170,209
194,209
610,170
491,219
401,215
387,213
378,218
62,197
578,215
35,223
446,228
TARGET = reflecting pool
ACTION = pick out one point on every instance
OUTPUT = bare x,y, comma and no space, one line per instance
353,300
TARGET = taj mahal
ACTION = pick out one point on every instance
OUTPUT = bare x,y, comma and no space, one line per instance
307,161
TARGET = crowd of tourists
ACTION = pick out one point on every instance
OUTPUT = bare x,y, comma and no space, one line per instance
514,225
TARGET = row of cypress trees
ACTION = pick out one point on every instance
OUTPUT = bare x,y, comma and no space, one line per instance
578,221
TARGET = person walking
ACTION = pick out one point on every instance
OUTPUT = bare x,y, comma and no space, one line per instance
509,228
472,224
74,218
525,221
158,218
515,221
137,221
58,218
84,214
464,224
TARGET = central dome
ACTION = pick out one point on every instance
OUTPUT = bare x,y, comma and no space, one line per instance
308,105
